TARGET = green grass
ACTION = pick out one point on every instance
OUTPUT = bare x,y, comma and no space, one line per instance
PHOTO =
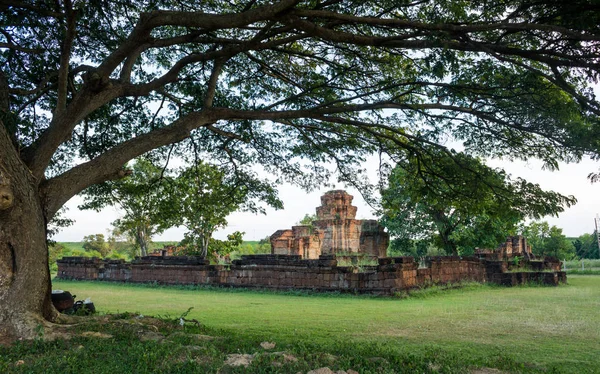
521,329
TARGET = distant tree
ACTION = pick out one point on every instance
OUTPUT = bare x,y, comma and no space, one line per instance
202,196
586,246
308,219
246,249
142,198
558,246
217,249
122,245
264,245
460,203
96,242
536,233
404,246
546,240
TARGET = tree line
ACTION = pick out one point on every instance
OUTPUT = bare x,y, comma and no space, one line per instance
474,206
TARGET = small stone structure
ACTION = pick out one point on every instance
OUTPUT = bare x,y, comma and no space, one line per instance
335,231
512,247
168,250
392,274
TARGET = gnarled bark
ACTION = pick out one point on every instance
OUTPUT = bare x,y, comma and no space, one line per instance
24,274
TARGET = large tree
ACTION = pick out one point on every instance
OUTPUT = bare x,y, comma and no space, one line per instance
203,195
87,86
459,203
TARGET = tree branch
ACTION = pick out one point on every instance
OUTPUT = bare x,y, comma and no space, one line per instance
405,24
21,49
203,21
548,57
222,54
39,88
38,155
60,189
65,55
211,86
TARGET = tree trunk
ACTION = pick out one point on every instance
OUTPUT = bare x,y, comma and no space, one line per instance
448,245
142,241
205,240
25,285
445,229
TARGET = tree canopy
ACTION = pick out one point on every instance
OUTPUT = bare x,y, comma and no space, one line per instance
289,85
202,196
546,240
106,82
459,203
96,243
143,199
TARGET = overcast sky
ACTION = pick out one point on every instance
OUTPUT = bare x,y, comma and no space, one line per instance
569,180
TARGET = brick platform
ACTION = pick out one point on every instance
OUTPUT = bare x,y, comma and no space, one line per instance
393,274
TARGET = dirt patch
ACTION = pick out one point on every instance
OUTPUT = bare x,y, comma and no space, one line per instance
6,341
239,360
324,370
267,345
289,358
282,358
192,355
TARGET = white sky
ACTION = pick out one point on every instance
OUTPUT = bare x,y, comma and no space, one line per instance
570,180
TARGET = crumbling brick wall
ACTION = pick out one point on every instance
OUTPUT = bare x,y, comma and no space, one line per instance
393,274
81,268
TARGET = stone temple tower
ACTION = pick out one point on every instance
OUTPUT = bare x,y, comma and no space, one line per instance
336,217
335,231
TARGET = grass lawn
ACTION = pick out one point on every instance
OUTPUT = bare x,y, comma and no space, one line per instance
522,329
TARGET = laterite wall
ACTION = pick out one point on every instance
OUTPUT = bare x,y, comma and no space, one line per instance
292,272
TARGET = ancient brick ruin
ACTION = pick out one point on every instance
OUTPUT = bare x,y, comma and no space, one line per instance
390,275
513,246
336,231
